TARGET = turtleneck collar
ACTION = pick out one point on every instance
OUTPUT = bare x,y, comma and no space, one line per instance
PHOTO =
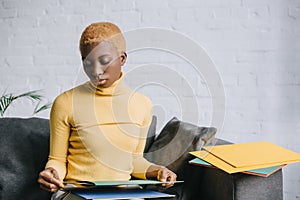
115,89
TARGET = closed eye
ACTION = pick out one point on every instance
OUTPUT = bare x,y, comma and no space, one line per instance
104,61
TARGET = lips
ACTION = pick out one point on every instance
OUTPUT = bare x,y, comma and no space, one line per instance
102,81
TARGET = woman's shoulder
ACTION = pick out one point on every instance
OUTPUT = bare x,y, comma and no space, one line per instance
67,95
64,95
139,97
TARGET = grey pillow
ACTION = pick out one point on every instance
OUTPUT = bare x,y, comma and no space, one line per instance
151,133
172,146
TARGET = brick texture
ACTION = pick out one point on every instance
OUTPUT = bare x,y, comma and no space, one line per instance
255,45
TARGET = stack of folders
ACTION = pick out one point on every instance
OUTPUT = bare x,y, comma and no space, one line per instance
255,158
132,189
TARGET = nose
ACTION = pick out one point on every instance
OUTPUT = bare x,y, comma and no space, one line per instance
97,69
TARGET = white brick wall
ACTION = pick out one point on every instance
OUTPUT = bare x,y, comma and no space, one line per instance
255,45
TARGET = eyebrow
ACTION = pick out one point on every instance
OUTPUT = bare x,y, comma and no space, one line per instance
83,58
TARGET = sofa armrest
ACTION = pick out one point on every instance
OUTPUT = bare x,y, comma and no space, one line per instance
217,184
203,182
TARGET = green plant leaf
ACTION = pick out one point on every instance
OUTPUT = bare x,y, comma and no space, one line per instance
44,107
5,101
32,95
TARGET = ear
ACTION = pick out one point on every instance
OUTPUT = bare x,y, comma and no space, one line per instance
123,58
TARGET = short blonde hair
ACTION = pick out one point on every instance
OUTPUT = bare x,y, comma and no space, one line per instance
98,32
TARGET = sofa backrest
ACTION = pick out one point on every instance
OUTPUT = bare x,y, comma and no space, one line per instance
24,147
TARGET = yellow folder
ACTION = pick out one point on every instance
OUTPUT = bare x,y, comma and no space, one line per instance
241,157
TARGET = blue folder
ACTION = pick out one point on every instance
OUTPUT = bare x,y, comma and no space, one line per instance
117,193
264,172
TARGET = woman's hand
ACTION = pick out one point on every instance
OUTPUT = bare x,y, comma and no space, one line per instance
162,174
49,180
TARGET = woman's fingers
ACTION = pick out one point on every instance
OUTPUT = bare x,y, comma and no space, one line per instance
48,186
166,175
55,179
162,174
49,180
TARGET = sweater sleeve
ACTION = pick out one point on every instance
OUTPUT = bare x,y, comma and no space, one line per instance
59,134
140,164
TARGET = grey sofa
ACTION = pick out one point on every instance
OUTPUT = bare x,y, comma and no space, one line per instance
24,147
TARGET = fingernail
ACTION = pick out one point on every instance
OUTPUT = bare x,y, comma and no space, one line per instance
61,185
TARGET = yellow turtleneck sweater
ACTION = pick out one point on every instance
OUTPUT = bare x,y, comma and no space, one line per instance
99,133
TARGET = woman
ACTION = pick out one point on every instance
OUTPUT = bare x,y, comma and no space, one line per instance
98,130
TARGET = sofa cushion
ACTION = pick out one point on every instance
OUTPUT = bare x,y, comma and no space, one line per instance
151,133
24,150
171,148
176,139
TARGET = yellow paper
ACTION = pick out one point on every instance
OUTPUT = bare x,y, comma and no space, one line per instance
253,154
206,156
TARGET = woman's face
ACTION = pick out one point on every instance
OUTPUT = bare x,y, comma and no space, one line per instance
102,64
